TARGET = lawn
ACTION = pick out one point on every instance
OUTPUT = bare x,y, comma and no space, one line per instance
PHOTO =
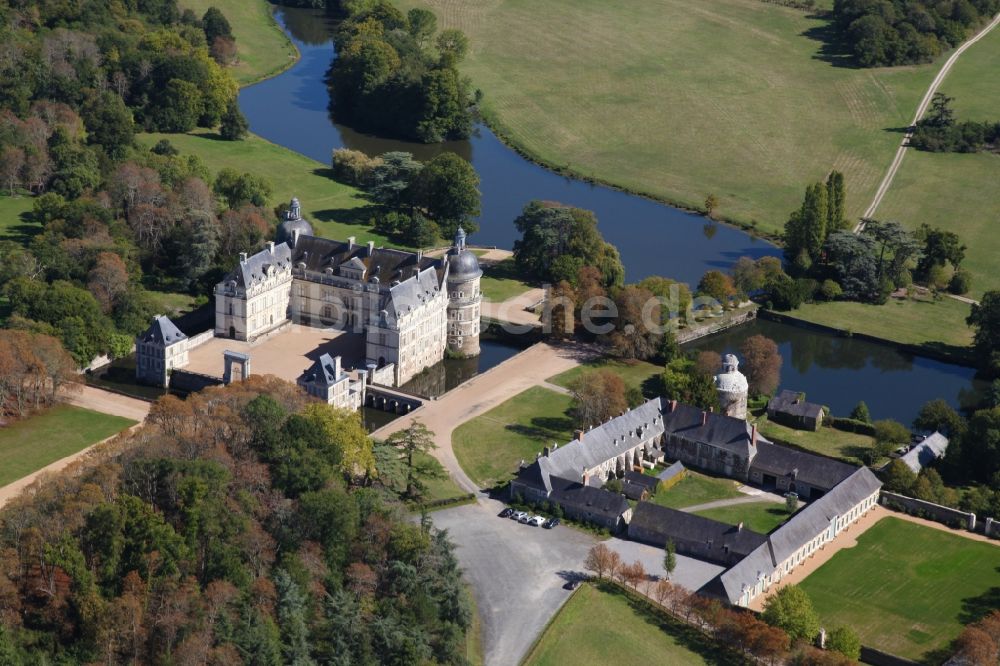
490,447
440,485
29,445
335,210
679,99
500,282
262,47
827,441
955,191
633,373
15,214
696,488
603,626
937,325
905,588
760,517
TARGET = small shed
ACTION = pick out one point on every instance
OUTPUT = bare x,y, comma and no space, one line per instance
639,486
791,409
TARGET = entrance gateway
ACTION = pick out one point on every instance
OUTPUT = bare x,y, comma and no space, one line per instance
243,360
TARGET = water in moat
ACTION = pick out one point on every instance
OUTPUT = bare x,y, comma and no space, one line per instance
292,110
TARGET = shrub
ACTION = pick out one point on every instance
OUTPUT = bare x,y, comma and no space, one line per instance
353,166
961,282
830,290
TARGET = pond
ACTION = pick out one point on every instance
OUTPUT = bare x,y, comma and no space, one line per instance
839,371
291,109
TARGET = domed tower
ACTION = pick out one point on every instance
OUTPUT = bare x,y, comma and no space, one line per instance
464,298
294,225
732,387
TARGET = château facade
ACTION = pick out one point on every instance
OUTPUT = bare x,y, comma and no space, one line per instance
409,307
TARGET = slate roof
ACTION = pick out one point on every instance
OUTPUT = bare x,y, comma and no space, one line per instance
255,267
671,472
323,372
645,480
162,332
801,528
719,430
926,452
817,471
596,501
790,403
671,524
386,264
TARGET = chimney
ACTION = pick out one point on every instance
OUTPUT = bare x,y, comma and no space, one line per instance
336,367
270,246
578,435
546,451
243,257
420,255
711,408
295,237
350,242
586,477
371,248
673,405
739,528
538,454
753,434
704,418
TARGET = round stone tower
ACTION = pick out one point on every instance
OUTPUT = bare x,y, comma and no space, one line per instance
464,298
732,388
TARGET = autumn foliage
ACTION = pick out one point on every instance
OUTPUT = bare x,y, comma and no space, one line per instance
33,368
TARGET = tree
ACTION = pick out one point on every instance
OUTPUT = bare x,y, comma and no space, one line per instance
717,285
346,432
447,191
391,180
240,189
985,322
215,24
939,247
179,107
292,618
670,557
894,247
791,610
845,641
108,280
938,415
422,24
11,164
636,334
413,440
980,451
711,203
889,431
762,364
899,478
598,560
109,123
861,413
941,113
791,503
202,247
708,362
854,263
634,574
452,46
684,382
597,396
836,196
234,125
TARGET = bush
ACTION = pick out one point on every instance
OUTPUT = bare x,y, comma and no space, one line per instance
852,425
353,166
961,282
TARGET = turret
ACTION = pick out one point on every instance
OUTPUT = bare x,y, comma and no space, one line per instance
464,298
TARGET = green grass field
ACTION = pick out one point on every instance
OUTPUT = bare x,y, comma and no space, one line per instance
633,373
679,99
440,485
29,445
500,282
828,441
905,588
490,446
603,626
696,488
335,209
760,517
263,48
15,222
937,325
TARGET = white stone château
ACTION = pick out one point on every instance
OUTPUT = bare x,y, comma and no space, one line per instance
160,349
732,388
400,301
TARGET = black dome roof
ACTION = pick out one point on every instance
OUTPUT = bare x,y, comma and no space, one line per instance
464,264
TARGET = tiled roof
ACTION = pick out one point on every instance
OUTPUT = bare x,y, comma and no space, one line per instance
323,372
588,498
791,403
671,524
818,471
162,332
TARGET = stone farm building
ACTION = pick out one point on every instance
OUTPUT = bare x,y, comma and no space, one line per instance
693,535
410,308
791,409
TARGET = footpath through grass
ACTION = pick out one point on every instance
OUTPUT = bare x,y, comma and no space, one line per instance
335,210
262,47
761,517
679,99
29,445
604,626
696,488
907,589
490,447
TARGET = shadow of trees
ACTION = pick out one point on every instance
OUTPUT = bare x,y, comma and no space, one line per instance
833,49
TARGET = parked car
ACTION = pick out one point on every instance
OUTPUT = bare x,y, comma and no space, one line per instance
506,512
549,524
519,516
572,585
525,517
536,521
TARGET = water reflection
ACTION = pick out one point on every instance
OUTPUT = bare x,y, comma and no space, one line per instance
839,371
292,110
451,372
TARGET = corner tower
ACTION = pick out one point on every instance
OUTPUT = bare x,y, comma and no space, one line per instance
464,298
732,387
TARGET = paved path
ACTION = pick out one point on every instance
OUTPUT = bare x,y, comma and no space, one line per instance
483,392
921,110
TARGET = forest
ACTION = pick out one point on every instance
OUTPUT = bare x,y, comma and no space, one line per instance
245,525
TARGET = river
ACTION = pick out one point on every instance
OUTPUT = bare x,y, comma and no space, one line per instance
292,110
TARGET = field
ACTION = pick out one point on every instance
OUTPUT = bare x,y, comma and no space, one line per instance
937,325
831,442
335,210
905,588
679,99
439,483
14,222
490,446
695,489
633,373
955,191
500,282
761,517
31,444
263,49
603,626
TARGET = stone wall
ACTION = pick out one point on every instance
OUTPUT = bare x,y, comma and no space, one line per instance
941,514
386,375
991,528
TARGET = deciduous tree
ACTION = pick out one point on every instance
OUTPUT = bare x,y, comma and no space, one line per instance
762,364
